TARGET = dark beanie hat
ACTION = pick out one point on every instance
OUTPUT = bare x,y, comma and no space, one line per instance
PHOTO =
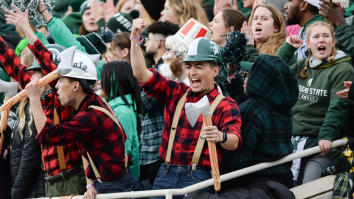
154,7
73,21
95,43
86,5
75,5
122,22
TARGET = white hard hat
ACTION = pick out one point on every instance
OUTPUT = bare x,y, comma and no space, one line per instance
82,68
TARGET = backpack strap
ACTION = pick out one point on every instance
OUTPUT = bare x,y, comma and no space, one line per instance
174,126
201,140
115,119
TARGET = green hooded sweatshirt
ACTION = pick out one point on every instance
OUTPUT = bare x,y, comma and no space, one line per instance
266,119
62,35
319,112
127,116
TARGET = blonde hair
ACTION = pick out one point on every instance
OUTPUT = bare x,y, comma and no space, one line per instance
120,5
148,19
27,59
276,40
303,74
187,9
21,112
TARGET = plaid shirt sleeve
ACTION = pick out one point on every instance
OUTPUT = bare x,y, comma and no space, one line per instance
163,89
44,58
81,127
230,120
13,65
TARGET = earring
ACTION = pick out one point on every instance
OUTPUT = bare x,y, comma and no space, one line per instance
301,10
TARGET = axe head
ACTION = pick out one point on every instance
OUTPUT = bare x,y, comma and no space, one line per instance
66,61
9,88
194,110
95,58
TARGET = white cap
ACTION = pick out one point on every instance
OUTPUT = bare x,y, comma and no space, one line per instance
313,2
191,30
82,68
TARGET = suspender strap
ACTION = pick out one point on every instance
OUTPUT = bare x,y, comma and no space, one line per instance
43,158
60,149
174,125
201,140
115,119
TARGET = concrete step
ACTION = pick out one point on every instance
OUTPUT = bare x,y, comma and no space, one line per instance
317,189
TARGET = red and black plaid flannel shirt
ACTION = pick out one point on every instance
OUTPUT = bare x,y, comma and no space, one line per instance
16,70
226,118
95,132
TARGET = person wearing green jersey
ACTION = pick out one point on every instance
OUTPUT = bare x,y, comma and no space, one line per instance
319,114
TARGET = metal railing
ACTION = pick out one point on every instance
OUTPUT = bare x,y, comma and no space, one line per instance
169,193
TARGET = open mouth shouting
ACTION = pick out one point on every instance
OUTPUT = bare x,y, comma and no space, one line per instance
196,83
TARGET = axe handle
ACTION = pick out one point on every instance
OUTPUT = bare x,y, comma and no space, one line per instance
3,122
213,157
42,82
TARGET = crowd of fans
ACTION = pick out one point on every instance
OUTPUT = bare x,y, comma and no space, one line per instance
117,122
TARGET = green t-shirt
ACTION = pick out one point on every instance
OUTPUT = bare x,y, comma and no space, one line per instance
319,112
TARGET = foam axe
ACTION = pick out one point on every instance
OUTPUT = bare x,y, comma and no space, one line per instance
193,111
10,89
66,59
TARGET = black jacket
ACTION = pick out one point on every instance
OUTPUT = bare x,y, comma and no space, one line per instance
27,177
5,167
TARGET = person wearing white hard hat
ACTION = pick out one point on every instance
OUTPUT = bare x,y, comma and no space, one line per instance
94,128
179,143
304,13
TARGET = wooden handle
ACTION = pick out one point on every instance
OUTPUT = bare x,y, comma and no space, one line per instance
3,122
42,82
213,157
48,78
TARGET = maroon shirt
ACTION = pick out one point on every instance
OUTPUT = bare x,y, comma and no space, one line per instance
226,118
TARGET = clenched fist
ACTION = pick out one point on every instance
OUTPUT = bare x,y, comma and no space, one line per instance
138,28
295,41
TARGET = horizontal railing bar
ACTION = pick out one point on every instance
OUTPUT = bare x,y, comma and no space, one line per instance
170,192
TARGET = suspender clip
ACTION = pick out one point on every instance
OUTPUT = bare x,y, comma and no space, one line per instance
194,167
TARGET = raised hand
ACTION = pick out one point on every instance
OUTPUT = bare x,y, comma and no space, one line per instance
257,2
247,29
97,10
221,4
295,41
19,19
41,6
332,12
109,9
344,93
138,27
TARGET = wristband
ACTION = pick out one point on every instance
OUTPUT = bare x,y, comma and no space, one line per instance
42,11
224,138
96,88
90,185
137,39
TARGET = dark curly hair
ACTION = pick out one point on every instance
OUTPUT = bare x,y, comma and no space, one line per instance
165,28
